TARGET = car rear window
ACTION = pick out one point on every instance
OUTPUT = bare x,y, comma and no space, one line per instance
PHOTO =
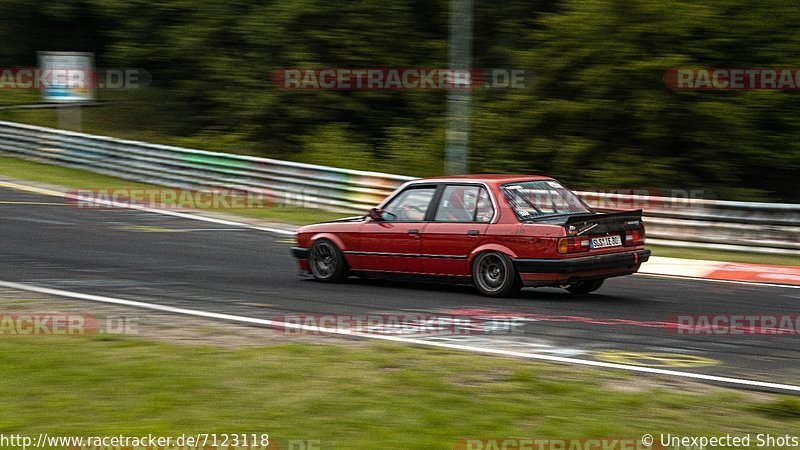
542,198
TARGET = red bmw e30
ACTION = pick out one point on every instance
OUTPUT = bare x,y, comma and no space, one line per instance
501,232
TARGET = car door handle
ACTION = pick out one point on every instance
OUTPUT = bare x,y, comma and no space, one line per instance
413,231
472,232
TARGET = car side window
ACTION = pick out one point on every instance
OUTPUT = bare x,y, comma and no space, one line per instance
464,204
485,210
410,205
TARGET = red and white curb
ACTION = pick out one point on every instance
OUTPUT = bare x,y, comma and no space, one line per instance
720,270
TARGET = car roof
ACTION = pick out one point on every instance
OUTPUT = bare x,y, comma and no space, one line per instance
485,178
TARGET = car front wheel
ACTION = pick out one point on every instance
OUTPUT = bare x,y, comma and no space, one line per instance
326,262
493,274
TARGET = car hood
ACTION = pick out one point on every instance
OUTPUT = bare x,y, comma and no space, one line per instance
331,225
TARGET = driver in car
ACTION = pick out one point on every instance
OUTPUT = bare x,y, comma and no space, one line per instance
411,213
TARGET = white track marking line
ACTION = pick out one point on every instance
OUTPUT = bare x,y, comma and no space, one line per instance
462,347
31,203
20,187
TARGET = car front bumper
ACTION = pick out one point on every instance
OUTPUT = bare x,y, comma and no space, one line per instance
300,253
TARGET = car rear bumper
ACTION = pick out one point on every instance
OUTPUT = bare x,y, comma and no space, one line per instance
613,262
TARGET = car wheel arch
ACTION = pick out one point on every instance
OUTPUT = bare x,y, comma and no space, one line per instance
491,248
329,236
486,282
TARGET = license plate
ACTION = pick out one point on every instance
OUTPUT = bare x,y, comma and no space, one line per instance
606,241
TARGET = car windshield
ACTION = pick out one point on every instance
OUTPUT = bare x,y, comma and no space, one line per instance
542,198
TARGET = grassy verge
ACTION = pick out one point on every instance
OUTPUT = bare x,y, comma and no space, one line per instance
80,179
375,396
61,176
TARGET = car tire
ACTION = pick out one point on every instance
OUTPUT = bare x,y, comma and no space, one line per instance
326,262
494,275
584,287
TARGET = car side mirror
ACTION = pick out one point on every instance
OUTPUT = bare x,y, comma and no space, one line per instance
375,214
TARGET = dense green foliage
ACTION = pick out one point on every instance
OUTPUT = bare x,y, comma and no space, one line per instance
598,114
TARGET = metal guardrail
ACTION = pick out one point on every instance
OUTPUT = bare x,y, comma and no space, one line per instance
294,183
744,226
712,224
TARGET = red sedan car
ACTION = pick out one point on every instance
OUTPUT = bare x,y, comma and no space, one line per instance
501,232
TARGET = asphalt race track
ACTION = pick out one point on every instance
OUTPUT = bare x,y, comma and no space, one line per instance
192,264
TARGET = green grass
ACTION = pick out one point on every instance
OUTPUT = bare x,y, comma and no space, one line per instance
62,176
18,97
377,396
81,179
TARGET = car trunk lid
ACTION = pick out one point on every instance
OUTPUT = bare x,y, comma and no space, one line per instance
597,231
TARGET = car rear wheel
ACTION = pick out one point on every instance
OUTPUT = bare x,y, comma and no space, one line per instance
584,287
326,262
494,275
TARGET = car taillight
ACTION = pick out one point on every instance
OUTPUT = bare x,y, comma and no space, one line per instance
573,244
634,237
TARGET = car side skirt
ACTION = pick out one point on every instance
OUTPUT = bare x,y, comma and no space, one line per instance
405,255
418,277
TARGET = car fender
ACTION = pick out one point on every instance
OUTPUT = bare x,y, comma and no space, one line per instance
493,247
329,236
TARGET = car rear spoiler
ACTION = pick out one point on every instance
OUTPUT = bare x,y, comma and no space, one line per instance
604,217
592,217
